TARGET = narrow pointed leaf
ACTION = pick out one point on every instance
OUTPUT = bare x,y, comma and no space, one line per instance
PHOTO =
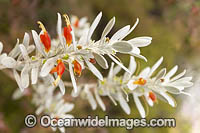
93,26
108,28
94,70
119,63
26,40
47,67
9,62
124,104
73,78
120,33
25,76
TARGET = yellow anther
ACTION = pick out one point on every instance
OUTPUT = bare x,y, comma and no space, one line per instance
41,26
66,19
55,83
107,39
140,81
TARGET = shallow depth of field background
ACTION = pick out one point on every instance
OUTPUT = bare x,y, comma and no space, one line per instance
174,26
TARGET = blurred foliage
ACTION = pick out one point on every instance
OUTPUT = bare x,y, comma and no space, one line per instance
173,24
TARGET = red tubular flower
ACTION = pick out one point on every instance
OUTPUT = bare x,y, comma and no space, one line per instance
60,69
152,96
92,60
76,23
45,39
77,68
67,31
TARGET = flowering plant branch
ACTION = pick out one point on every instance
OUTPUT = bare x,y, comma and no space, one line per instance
44,62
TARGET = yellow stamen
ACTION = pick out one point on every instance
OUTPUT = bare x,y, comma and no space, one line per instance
107,39
55,83
140,81
66,19
41,26
59,60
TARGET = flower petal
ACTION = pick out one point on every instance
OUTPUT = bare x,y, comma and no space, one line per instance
123,103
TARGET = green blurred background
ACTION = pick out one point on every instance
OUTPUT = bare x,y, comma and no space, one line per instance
173,25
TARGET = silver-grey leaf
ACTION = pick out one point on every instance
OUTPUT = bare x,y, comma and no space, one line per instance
122,47
101,60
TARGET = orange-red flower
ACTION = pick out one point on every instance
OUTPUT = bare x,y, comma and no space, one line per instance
152,96
67,30
92,60
59,69
76,23
45,39
77,68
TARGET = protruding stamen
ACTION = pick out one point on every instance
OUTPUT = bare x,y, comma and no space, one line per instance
55,83
66,19
41,26
140,81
